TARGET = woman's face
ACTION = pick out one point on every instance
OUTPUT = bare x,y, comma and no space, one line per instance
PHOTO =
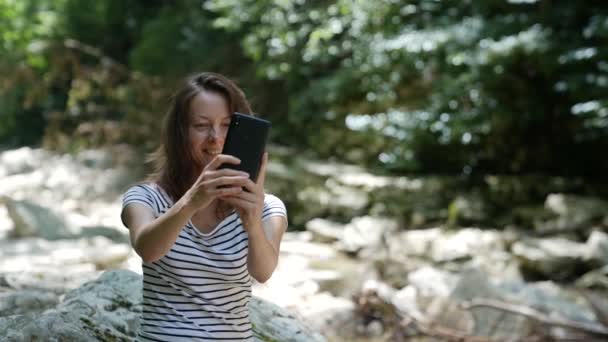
208,125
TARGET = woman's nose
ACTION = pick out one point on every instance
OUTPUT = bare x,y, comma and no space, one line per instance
214,133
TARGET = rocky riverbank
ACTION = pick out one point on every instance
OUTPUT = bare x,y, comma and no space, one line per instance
368,257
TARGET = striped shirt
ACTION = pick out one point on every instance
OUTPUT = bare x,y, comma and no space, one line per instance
200,289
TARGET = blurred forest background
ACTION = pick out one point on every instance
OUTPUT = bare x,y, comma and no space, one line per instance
457,87
431,154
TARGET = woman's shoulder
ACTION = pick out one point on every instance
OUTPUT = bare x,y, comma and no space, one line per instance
150,192
273,204
142,187
270,198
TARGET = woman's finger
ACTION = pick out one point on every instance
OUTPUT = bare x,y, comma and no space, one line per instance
250,186
228,180
210,174
230,191
246,196
222,159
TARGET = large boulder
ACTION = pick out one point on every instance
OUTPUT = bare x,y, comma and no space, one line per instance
108,309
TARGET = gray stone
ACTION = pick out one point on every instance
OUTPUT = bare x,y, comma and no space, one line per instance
366,232
466,243
37,255
271,323
549,298
31,219
571,213
105,309
597,248
596,279
109,307
325,230
22,160
431,281
28,301
6,223
555,258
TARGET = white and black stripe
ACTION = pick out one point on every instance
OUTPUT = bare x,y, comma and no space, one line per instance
200,290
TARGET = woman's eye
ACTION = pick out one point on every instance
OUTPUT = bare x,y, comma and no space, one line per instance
200,125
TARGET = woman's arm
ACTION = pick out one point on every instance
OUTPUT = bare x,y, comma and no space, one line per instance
153,237
264,246
264,236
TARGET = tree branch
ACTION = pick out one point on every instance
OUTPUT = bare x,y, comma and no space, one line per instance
536,315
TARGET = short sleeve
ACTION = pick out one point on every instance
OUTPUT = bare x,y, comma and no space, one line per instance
141,194
273,206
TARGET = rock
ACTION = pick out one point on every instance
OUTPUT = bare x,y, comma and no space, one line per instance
325,231
466,243
365,232
37,253
271,323
300,243
596,279
493,323
454,251
31,219
548,297
406,300
108,309
105,309
430,281
118,236
28,301
22,160
331,316
552,258
597,248
413,243
59,265
572,213
6,223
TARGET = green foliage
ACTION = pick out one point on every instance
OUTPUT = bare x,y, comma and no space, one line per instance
406,86
25,27
449,86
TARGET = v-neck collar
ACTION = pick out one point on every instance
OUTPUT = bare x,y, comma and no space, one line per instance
232,214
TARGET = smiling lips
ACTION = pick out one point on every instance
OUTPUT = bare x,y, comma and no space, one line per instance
213,153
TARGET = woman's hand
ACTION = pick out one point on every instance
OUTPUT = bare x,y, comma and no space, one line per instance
249,204
216,184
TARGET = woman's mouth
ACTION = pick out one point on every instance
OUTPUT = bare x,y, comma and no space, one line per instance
213,153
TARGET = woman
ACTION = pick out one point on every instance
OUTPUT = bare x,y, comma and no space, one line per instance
201,231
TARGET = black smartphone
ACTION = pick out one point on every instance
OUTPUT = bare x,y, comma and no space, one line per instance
246,139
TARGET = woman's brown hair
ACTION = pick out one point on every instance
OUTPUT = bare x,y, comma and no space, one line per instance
173,161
